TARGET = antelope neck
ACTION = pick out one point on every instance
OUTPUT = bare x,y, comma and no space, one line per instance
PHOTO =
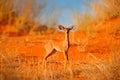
67,42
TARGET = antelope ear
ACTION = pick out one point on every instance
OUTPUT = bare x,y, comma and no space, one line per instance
73,27
61,27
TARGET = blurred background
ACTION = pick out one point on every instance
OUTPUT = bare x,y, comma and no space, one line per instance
41,16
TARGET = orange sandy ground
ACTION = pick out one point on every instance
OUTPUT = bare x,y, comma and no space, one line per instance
99,46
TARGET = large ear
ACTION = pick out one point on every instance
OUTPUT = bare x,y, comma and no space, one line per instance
61,27
73,27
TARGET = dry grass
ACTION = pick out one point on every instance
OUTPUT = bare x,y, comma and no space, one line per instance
94,70
101,70
21,16
105,9
14,67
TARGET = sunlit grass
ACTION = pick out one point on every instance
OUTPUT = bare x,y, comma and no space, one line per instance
18,66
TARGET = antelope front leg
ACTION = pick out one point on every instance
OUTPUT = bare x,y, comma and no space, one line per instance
66,55
66,59
67,65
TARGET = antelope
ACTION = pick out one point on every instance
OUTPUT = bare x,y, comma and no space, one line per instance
61,46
